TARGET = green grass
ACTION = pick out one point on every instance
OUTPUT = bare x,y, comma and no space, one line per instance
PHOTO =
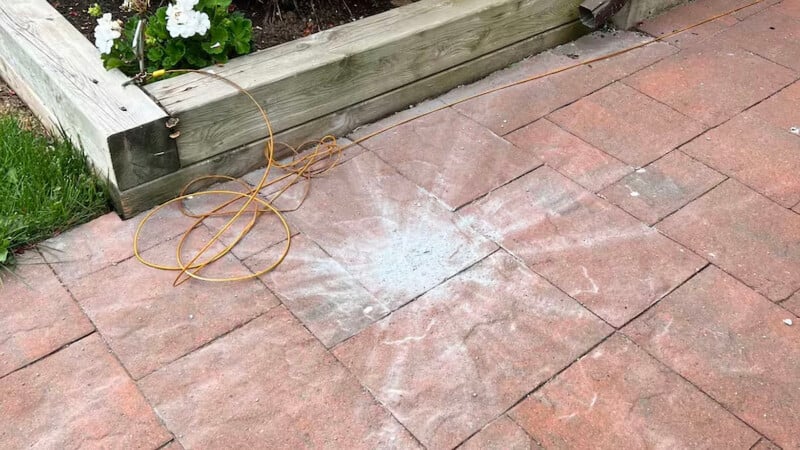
45,187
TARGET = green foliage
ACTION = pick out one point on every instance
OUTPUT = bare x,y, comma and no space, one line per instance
46,187
229,35
95,10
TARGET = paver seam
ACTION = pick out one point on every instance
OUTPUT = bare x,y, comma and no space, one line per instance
758,12
693,199
111,351
300,322
679,147
701,125
114,355
353,279
491,191
330,351
440,202
612,81
366,388
465,269
523,428
760,434
206,344
546,118
780,302
616,330
734,15
166,444
696,197
538,386
767,59
32,362
712,127
621,331
72,298
777,302
766,441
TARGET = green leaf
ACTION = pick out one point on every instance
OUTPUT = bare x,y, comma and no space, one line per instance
220,59
174,50
206,5
110,62
242,48
157,25
196,60
155,54
241,33
216,41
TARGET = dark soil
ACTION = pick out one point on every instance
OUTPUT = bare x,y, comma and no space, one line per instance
11,104
274,21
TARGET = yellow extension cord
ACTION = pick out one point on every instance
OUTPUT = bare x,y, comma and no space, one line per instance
326,151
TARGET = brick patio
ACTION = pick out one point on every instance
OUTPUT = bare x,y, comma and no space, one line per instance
606,258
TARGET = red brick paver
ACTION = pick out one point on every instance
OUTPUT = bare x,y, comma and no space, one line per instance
79,252
267,231
174,445
756,153
510,109
773,34
79,397
711,83
462,354
781,109
455,281
764,444
451,156
569,155
732,343
620,397
593,251
655,191
745,234
793,304
686,39
507,110
502,434
37,315
396,240
320,292
269,384
691,13
155,323
278,175
627,124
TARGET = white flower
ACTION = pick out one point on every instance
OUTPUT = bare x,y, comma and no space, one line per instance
184,21
126,4
105,32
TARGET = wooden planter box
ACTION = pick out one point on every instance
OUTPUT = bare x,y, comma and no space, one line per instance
327,83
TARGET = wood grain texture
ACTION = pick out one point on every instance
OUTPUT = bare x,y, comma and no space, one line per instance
246,158
58,73
309,78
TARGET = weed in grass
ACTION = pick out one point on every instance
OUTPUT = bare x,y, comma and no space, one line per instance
45,187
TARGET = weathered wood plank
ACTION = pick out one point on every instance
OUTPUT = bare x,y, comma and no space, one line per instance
249,157
312,77
58,73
